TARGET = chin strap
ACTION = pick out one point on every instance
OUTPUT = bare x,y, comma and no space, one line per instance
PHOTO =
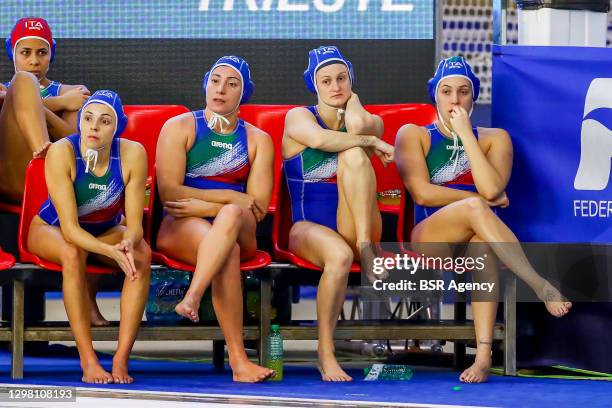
339,113
216,119
91,155
221,120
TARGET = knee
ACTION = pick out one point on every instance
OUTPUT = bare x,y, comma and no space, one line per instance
353,158
23,78
230,216
341,261
72,258
476,206
142,254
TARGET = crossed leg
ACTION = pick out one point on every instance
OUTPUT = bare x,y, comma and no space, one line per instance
463,220
471,220
216,250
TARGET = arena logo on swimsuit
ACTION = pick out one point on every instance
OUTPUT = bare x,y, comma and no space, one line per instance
595,149
451,147
329,6
94,186
222,144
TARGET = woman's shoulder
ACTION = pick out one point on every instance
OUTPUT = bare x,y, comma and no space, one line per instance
492,134
180,123
253,130
299,113
411,131
131,151
62,151
256,134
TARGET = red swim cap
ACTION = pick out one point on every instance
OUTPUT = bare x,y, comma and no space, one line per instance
30,27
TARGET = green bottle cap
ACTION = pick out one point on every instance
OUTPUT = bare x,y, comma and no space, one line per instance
275,327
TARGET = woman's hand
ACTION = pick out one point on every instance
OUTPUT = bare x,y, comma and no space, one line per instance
74,99
502,201
385,159
384,151
189,207
247,202
123,254
460,121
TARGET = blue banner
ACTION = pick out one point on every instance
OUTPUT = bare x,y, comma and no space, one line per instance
556,103
233,19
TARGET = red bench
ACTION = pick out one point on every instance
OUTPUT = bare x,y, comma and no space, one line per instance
394,117
6,260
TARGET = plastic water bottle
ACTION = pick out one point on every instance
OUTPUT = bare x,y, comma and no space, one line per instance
275,353
167,289
387,372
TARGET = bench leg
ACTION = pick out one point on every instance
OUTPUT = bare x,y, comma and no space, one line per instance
265,307
218,355
17,331
510,327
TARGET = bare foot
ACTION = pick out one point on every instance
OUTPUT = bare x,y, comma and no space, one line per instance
367,256
120,372
554,301
94,374
330,369
188,308
249,372
97,320
477,372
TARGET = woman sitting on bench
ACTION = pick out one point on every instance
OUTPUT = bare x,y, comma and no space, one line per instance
34,111
457,174
215,179
326,154
94,177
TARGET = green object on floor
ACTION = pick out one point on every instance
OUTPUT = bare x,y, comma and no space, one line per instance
386,372
275,353
558,371
456,388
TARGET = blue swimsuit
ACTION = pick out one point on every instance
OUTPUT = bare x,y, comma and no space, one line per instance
440,163
99,200
217,161
312,184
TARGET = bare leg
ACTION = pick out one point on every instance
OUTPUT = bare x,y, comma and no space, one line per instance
359,220
97,319
462,220
326,249
221,236
47,242
190,241
24,131
133,299
226,288
483,314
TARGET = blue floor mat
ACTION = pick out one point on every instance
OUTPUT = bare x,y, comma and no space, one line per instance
428,386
